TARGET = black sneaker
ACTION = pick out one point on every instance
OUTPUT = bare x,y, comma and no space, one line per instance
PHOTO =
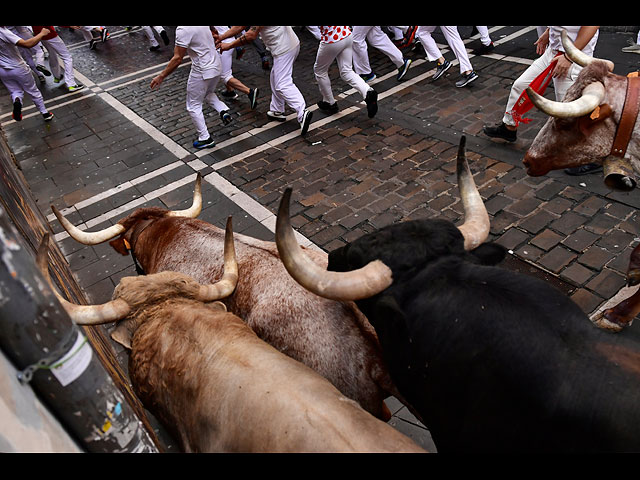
225,117
17,110
165,37
484,49
229,94
501,131
253,97
329,108
278,116
467,79
402,71
372,102
47,116
584,169
154,48
104,35
92,44
440,69
43,70
306,120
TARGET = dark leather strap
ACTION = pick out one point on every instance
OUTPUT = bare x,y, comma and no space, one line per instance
628,118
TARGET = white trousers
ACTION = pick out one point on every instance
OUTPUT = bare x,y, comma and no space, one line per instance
376,38
561,85
452,37
283,90
199,90
20,80
485,39
87,32
342,52
58,50
148,31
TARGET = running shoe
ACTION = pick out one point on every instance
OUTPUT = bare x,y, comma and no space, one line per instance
327,107
372,102
501,131
402,71
467,79
104,34
225,117
17,110
306,120
367,77
165,37
253,97
440,69
279,116
47,116
204,143
484,49
75,88
43,69
229,94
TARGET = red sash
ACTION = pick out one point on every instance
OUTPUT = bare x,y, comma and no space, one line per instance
539,85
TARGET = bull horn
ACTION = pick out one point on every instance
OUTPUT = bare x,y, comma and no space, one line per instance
227,283
81,314
578,56
592,96
476,226
196,206
95,238
88,238
354,285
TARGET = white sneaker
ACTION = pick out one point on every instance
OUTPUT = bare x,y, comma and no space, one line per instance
279,116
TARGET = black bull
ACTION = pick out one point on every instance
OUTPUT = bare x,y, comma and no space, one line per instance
492,360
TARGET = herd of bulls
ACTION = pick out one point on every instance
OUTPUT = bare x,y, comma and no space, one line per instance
243,345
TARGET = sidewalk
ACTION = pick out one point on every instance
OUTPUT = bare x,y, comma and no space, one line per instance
117,145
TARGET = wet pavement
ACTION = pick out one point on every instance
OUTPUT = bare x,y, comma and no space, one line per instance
117,145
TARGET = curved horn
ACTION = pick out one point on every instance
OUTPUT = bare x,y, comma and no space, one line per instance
476,226
354,285
81,314
88,238
592,96
194,210
578,56
227,283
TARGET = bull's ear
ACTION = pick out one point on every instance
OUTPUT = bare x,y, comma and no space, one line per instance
122,335
589,122
489,253
120,245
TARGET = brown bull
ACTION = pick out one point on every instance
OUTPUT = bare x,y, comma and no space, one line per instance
589,124
596,122
214,384
331,337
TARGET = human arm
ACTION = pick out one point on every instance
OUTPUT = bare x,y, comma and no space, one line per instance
30,42
176,60
249,36
585,34
543,42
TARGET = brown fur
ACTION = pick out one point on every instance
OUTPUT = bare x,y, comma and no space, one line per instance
331,337
219,388
570,142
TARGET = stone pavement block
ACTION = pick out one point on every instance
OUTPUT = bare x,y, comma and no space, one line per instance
579,240
547,239
606,283
568,222
576,274
557,258
595,257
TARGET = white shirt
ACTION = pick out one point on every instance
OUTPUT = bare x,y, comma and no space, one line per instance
555,40
279,40
201,49
10,57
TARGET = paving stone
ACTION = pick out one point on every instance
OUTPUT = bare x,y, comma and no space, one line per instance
557,258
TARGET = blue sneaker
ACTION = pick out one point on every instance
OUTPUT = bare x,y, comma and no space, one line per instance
367,77
225,117
204,143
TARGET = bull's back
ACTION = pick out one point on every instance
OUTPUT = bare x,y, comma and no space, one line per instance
331,337
222,389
